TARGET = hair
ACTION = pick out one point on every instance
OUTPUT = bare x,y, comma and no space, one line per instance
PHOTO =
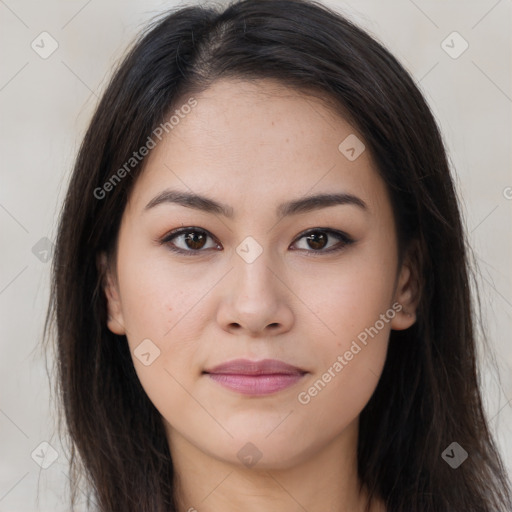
429,392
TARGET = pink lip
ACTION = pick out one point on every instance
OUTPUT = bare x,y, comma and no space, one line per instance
255,377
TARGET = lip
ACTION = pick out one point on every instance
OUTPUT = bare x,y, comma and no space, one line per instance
255,377
262,367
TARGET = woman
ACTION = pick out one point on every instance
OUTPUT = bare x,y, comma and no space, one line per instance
260,286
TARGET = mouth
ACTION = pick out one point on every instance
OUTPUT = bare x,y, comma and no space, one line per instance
256,377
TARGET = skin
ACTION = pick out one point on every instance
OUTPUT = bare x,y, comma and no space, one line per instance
252,146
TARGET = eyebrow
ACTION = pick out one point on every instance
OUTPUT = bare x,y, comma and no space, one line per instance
294,207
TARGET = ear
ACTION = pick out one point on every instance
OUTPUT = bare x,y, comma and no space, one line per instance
115,320
408,291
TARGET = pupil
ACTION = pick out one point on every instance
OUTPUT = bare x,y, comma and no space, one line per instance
313,239
191,238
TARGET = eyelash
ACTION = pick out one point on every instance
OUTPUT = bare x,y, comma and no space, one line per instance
343,237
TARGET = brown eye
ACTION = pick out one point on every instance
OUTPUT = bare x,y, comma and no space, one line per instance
195,240
317,240
187,240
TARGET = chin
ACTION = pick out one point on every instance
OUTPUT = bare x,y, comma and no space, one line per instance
257,452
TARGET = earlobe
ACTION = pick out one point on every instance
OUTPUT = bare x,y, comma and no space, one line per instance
115,321
407,295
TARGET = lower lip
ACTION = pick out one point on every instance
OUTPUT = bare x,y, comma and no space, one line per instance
256,384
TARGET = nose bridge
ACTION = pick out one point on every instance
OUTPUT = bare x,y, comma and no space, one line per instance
254,262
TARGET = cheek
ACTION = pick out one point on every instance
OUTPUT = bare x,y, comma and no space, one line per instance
157,298
351,296
161,309
334,398
351,352
350,361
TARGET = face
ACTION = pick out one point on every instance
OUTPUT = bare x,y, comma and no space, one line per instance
315,285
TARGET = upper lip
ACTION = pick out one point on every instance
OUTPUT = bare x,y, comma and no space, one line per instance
263,367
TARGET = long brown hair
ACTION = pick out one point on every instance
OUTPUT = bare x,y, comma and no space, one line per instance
428,395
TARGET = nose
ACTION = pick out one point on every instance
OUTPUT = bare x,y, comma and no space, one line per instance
256,300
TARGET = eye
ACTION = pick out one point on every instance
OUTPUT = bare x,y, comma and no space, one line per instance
318,239
192,240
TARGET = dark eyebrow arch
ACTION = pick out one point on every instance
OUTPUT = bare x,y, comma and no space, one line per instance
297,206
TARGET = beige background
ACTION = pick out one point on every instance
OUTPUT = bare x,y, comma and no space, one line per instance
45,105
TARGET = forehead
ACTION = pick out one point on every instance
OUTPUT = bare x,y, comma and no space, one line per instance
248,142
